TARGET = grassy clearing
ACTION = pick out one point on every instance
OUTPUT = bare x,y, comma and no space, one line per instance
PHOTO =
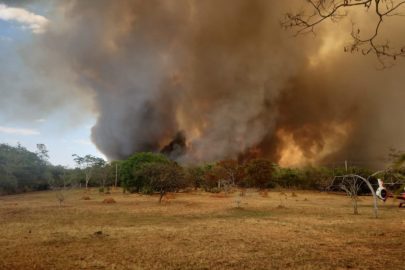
198,231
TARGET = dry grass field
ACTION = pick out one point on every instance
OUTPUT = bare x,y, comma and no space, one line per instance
198,231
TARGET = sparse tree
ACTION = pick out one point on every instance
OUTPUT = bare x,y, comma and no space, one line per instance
365,42
233,170
352,185
88,164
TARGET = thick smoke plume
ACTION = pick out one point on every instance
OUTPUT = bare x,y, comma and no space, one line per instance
224,80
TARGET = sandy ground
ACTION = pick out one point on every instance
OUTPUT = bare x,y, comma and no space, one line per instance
199,231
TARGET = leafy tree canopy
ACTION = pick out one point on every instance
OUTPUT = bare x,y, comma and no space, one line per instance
129,168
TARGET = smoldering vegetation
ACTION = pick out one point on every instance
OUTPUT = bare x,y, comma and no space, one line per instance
225,76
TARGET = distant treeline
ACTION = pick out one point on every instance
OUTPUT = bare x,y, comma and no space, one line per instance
22,170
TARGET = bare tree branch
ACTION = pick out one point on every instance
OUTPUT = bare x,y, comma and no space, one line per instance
335,10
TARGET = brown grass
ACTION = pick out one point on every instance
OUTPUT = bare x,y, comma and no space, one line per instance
219,195
264,193
170,196
197,231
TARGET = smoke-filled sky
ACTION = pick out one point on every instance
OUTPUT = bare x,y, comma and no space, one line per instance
203,80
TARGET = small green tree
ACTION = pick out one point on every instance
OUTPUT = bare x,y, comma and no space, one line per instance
131,180
162,177
195,176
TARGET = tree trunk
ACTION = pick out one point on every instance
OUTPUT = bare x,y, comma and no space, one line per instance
162,193
355,211
87,181
232,178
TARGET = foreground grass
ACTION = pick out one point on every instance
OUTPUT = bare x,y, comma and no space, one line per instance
198,231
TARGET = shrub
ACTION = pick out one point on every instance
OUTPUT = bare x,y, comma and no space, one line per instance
147,190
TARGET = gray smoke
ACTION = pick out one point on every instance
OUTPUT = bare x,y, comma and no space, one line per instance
228,77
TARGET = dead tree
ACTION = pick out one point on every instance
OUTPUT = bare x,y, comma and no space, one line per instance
319,11
351,184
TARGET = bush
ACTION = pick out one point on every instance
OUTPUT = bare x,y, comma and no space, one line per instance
215,190
288,177
147,190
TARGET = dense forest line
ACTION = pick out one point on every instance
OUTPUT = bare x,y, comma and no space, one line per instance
22,171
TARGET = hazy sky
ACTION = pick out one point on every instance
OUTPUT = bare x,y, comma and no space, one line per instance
61,131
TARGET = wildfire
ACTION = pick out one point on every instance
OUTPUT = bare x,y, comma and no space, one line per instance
293,155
